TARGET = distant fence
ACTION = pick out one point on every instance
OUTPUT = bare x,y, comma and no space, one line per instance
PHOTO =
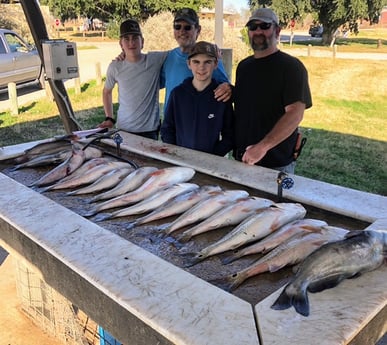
12,90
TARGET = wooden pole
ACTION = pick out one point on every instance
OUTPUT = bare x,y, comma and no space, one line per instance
12,95
98,75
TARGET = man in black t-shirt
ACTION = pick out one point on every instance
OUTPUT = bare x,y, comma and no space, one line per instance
270,96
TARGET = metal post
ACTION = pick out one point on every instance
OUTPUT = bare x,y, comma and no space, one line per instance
39,33
219,23
12,95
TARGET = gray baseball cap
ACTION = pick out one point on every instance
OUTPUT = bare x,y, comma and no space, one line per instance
265,15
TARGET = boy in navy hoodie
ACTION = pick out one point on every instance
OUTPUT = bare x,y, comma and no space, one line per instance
193,117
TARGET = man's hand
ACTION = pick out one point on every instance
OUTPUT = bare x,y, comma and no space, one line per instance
106,124
120,57
223,92
254,153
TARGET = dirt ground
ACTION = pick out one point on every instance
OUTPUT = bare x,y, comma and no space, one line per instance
16,328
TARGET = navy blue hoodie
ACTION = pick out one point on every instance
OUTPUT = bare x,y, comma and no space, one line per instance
196,120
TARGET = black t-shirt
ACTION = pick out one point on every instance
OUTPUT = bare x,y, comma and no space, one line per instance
263,88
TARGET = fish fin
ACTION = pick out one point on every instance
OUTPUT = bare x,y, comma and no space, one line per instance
301,304
102,216
275,268
354,233
358,274
282,302
286,299
324,284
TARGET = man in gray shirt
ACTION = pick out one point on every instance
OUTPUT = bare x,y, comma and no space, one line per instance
138,79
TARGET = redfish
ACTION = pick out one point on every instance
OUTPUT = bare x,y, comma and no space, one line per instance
205,209
157,181
231,214
251,229
178,204
290,252
277,237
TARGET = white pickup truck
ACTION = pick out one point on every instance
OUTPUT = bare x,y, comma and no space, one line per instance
19,61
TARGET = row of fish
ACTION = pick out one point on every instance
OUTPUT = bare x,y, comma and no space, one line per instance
278,231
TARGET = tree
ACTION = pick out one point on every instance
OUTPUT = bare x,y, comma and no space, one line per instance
332,14
116,10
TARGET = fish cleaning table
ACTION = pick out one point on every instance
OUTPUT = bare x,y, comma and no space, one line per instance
142,299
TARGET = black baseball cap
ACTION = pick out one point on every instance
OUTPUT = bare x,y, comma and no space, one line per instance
130,27
188,15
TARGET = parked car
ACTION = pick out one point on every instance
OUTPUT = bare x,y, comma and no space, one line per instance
316,30
19,61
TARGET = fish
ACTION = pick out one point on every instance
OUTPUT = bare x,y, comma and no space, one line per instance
158,180
205,209
290,252
252,229
276,238
151,202
232,214
106,181
178,204
89,177
86,166
359,252
134,180
92,152
43,148
44,160
62,170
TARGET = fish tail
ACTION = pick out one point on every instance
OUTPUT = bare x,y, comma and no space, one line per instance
90,213
164,227
102,216
184,237
301,303
131,225
231,258
287,298
41,189
17,167
192,259
229,283
282,302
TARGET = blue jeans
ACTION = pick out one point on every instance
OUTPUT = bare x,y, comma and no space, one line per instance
289,169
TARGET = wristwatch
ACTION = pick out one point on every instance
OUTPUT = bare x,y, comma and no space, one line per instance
108,118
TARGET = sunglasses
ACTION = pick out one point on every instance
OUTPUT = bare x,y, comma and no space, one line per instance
262,26
177,27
